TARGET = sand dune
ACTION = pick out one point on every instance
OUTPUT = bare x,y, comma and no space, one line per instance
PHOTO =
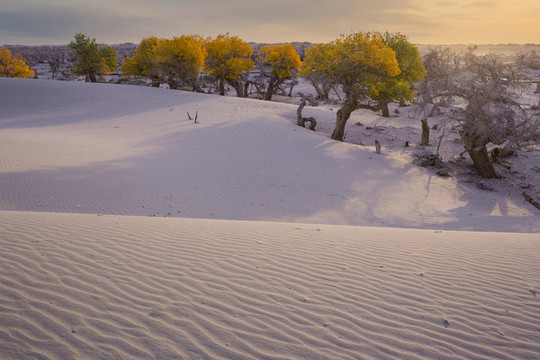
99,148
116,287
129,232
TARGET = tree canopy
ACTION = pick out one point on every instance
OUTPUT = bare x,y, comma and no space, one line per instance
398,88
13,66
228,59
284,63
319,68
180,58
92,59
143,62
356,62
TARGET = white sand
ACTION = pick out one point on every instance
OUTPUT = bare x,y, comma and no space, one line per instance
284,285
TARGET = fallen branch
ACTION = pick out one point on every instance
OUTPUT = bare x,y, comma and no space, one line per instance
535,203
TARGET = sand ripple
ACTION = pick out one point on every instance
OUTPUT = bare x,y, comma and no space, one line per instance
113,287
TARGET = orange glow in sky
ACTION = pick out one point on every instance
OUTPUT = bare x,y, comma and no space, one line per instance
116,21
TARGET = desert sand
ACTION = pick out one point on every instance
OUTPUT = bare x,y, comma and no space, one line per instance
130,232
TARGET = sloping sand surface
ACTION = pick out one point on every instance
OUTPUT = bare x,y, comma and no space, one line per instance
113,149
128,231
117,287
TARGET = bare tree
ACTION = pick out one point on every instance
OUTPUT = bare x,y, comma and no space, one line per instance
493,113
442,66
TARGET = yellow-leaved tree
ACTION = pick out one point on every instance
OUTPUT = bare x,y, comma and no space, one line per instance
228,59
319,69
13,66
143,62
355,62
284,62
180,59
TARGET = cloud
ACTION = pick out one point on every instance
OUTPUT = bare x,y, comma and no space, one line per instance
63,23
114,21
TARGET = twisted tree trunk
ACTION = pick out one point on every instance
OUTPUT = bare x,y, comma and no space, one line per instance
480,157
342,116
238,87
301,121
273,84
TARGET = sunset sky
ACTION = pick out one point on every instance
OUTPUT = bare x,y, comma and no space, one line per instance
54,22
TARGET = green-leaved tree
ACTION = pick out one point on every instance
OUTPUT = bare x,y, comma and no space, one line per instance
93,59
398,88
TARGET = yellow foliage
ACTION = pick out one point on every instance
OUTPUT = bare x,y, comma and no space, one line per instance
181,56
143,62
360,53
228,57
353,60
13,66
319,60
282,58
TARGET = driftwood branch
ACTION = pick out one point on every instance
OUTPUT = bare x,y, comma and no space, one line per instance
301,121
535,203
196,116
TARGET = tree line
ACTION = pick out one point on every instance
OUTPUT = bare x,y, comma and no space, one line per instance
365,70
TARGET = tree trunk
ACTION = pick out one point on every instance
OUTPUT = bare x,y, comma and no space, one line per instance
291,88
269,91
238,87
173,84
320,94
480,157
91,77
385,110
342,116
425,133
273,85
221,87
196,86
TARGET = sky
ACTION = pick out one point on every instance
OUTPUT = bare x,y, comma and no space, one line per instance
55,22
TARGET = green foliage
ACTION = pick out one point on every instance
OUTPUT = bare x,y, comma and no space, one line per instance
92,59
398,88
407,56
13,66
